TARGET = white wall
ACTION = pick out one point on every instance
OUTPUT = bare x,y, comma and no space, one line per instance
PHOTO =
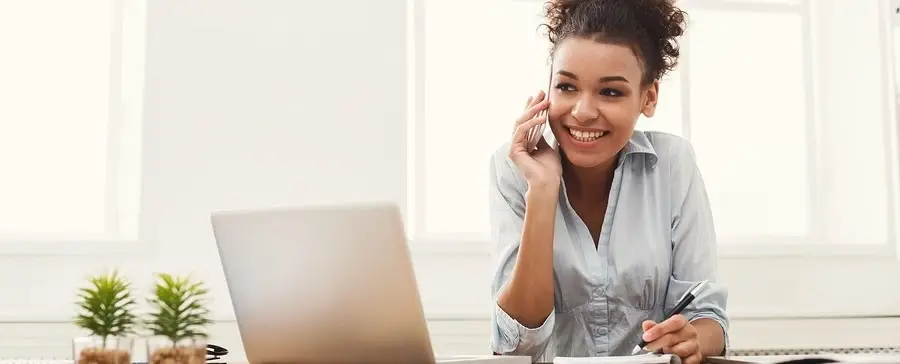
288,102
246,104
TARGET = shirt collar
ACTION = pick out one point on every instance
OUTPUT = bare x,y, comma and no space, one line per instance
639,144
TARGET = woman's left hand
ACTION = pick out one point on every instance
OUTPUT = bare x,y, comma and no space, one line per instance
673,336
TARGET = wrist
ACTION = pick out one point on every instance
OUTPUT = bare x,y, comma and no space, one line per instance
543,189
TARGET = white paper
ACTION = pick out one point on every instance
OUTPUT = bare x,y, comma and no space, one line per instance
483,359
648,358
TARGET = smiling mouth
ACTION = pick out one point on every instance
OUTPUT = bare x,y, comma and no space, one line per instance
587,136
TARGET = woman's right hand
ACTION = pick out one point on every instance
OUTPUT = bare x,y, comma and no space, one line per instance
541,166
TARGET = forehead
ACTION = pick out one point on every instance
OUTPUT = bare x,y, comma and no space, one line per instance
591,59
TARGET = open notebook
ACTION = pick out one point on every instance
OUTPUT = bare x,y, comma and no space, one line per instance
648,358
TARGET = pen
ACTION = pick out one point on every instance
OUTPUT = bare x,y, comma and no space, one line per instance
685,300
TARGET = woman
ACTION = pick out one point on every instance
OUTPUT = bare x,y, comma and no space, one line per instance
597,237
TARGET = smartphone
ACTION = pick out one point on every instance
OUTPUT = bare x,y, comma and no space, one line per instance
535,134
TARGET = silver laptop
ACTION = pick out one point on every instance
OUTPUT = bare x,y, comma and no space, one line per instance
326,284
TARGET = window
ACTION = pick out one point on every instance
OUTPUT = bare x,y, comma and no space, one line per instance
67,123
794,141
788,103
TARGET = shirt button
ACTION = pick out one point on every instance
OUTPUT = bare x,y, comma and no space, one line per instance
601,330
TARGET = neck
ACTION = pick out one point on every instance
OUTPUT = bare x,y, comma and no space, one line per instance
591,183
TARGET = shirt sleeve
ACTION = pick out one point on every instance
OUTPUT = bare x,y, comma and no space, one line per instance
694,243
507,213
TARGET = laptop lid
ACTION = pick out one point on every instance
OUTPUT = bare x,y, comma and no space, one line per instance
322,284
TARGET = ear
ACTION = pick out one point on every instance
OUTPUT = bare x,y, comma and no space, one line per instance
650,98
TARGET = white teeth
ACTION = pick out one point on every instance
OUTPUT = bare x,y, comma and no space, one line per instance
587,136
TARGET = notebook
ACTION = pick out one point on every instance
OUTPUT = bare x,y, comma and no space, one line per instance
648,358
822,358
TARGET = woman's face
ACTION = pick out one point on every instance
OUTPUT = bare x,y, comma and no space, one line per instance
596,97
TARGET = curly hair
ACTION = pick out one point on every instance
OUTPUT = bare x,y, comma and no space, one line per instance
649,27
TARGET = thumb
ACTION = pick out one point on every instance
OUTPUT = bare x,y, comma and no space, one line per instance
647,325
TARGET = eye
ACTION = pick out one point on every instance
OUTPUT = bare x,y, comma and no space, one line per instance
611,92
565,87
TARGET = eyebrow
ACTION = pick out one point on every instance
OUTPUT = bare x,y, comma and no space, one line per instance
602,79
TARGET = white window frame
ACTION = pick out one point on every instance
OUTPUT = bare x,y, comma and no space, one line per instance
776,247
814,281
123,157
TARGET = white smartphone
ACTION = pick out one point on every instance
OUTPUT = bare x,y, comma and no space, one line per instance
535,134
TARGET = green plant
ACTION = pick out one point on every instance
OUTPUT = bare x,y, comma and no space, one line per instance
179,308
106,306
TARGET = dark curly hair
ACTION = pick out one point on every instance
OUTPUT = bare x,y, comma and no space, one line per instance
649,27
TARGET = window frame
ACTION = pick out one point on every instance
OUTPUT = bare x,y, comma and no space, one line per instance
123,146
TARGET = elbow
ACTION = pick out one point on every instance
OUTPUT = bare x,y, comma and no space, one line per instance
512,338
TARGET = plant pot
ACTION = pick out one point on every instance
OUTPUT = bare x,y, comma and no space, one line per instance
162,350
94,350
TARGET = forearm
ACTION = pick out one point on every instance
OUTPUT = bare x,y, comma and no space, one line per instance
528,295
710,336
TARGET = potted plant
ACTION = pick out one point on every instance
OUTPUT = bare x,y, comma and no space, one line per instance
178,320
106,310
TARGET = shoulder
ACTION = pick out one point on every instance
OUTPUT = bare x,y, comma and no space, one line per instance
503,172
679,164
669,146
672,150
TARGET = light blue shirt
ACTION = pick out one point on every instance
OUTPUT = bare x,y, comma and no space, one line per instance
657,240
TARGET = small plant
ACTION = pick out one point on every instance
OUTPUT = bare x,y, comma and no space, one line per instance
107,312
107,307
179,313
180,310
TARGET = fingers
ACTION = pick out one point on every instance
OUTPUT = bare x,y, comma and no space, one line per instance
663,343
673,324
686,349
534,99
523,129
536,105
677,337
695,358
646,325
527,122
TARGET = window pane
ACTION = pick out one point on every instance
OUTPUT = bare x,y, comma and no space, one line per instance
774,171
854,115
53,120
476,85
748,122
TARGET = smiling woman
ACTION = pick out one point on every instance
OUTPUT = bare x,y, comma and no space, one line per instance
592,80
598,236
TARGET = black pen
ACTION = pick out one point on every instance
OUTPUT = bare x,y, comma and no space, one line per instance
685,300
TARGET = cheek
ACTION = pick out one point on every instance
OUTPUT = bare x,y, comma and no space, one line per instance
621,115
559,110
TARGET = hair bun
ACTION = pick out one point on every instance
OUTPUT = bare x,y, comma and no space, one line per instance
650,27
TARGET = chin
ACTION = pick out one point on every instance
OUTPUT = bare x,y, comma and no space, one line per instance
587,150
581,159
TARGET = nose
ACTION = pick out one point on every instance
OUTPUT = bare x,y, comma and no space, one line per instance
584,110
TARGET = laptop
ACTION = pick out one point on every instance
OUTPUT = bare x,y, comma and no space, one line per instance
323,284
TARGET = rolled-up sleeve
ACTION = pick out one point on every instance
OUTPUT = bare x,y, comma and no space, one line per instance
694,244
507,213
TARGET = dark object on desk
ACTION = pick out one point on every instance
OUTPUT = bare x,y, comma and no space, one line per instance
215,352
809,361
769,360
